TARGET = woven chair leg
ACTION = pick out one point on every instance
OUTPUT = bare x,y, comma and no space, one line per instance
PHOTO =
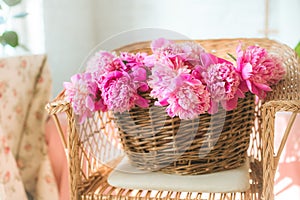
268,153
74,165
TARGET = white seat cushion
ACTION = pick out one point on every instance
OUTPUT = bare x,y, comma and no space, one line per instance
127,176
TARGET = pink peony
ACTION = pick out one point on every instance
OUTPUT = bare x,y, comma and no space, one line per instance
222,81
160,43
258,69
135,66
165,76
83,95
133,60
189,51
189,100
119,92
95,102
139,77
174,86
101,62
181,76
275,69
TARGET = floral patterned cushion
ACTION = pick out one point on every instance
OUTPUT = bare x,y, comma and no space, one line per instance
24,90
11,186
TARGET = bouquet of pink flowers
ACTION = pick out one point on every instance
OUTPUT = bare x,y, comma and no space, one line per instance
180,76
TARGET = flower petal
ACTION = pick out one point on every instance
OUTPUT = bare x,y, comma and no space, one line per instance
142,102
239,93
263,87
208,59
163,102
244,86
159,43
143,87
230,104
90,103
247,71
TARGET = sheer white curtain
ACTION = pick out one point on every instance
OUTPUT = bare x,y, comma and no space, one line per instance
30,29
34,26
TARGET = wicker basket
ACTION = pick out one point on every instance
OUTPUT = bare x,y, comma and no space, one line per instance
153,141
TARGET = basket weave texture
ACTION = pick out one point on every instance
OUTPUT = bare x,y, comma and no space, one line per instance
153,141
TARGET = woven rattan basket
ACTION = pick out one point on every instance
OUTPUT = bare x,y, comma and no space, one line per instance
153,141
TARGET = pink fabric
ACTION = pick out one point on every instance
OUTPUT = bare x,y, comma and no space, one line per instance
57,156
287,181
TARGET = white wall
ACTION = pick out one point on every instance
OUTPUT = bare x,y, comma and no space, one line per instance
69,36
288,21
74,27
194,18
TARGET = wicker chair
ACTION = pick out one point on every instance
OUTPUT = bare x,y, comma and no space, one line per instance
91,158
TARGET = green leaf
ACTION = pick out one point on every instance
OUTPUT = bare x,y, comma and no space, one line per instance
231,56
2,41
20,15
297,49
10,38
12,2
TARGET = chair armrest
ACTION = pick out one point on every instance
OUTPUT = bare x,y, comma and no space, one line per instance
55,107
269,111
58,105
282,105
271,158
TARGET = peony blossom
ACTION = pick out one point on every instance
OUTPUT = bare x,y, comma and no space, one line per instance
188,100
222,81
135,66
95,101
275,69
101,62
119,92
189,51
174,86
133,60
160,43
116,78
81,93
165,76
181,77
258,69
139,77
